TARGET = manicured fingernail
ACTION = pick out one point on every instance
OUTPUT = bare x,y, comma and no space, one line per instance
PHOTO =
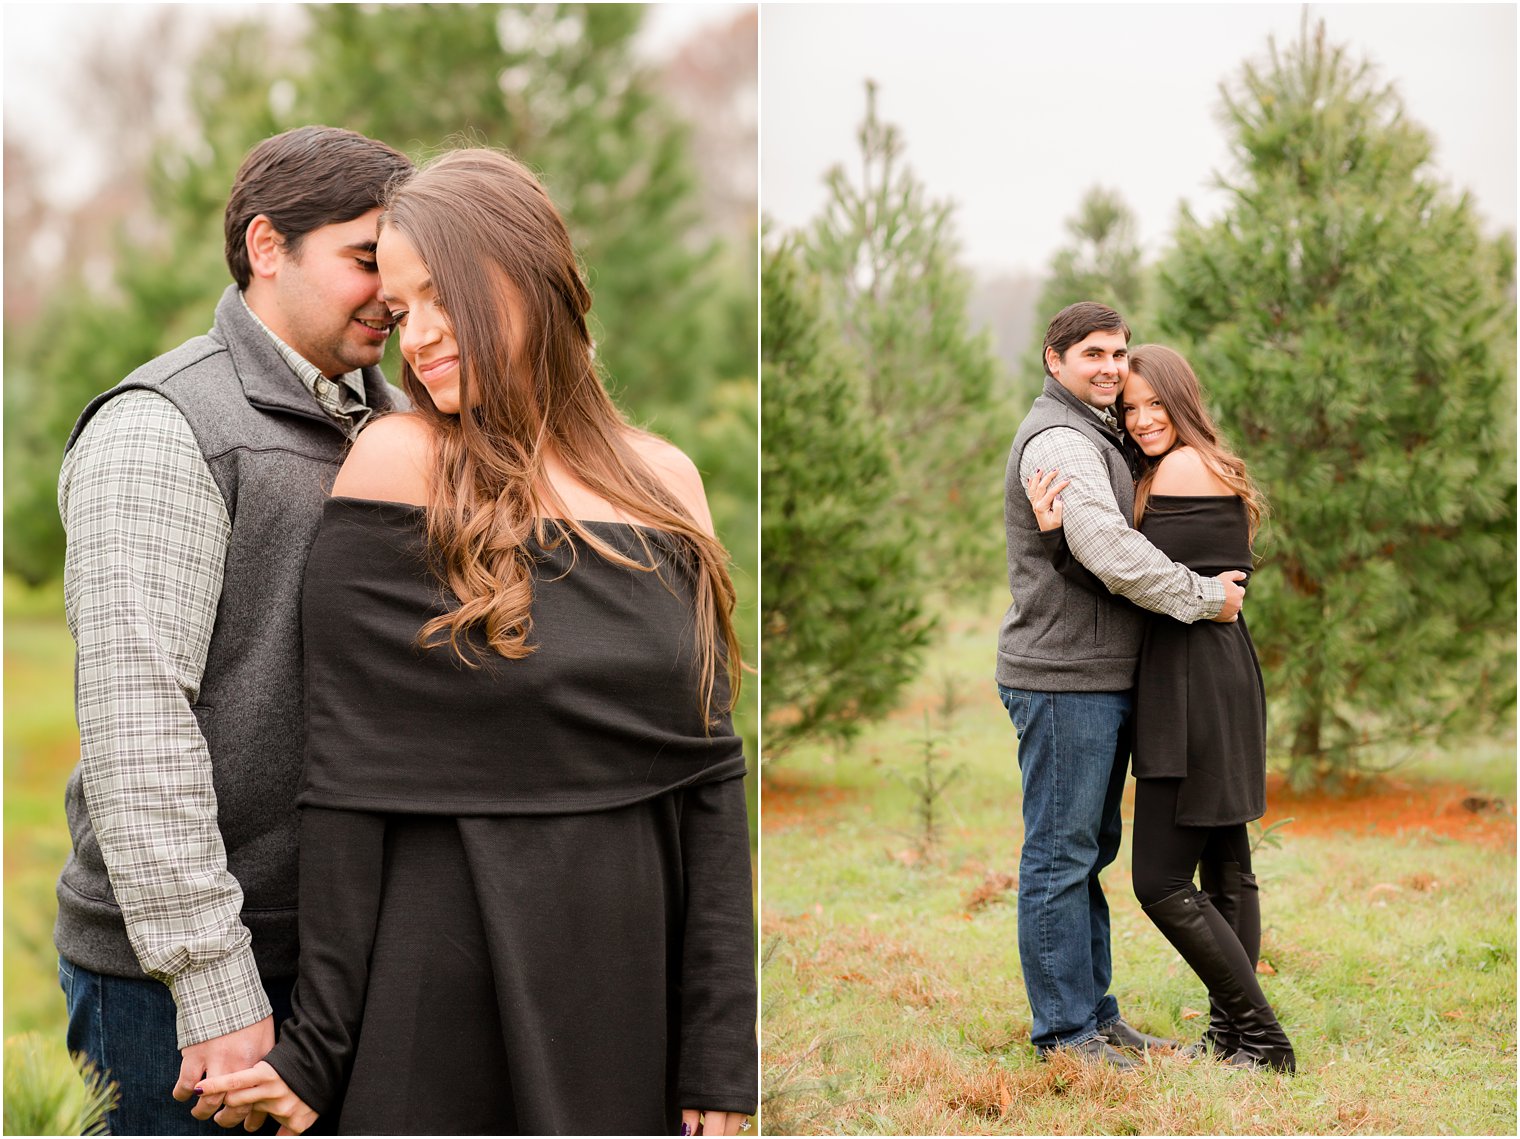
685,1129
198,1090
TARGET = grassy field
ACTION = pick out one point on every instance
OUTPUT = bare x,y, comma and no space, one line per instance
41,747
892,998
42,1092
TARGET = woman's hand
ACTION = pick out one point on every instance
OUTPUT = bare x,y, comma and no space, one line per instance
696,1122
1045,496
261,1088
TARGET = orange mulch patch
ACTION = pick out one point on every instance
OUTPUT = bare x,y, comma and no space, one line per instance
1388,807
1382,806
789,799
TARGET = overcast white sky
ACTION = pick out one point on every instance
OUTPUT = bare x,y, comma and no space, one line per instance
1014,110
983,95
43,57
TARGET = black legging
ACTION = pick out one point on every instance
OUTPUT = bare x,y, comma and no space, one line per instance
1165,854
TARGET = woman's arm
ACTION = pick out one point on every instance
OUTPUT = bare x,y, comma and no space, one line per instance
718,1066
1045,498
342,854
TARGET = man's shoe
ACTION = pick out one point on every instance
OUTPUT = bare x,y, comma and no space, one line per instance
1127,1036
1094,1051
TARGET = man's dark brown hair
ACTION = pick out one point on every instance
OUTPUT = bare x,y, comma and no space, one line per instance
302,180
1077,322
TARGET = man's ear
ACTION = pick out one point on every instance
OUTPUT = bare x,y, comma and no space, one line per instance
1052,358
266,248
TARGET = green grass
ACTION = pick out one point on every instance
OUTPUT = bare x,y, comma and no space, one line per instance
892,996
42,1088
46,1097
41,747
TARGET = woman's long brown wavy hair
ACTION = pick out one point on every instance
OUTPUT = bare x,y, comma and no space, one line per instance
1177,387
487,231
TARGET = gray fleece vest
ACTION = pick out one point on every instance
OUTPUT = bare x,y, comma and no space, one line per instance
1056,635
273,454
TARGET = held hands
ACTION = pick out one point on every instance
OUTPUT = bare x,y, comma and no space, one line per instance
216,1057
1234,595
256,1091
1045,496
697,1122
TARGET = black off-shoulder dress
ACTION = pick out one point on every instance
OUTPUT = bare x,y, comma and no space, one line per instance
1200,706
526,897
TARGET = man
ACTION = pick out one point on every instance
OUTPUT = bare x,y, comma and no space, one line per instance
1066,663
190,493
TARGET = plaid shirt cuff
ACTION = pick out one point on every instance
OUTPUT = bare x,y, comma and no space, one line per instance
219,998
1211,594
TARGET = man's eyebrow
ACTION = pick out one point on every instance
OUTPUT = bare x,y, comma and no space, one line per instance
361,246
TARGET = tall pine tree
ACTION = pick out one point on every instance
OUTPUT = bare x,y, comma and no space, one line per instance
1354,330
841,620
1102,263
886,257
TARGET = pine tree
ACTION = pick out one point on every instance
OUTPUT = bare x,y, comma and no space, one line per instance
886,256
166,278
840,616
1353,331
1102,264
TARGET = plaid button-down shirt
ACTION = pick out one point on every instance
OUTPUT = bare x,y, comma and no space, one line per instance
1105,543
148,532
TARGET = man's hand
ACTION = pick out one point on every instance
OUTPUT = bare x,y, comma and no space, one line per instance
219,1056
1233,596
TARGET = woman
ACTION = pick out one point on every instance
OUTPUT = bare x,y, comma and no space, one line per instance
525,882
1200,711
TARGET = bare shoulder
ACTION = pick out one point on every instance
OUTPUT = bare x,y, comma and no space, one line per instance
676,470
1183,471
390,460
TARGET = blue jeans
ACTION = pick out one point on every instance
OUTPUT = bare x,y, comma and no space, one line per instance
126,1027
1074,757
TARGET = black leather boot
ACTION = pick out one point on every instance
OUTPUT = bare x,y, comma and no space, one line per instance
1213,951
1238,901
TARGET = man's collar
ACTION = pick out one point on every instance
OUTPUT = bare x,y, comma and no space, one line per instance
308,372
1057,390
